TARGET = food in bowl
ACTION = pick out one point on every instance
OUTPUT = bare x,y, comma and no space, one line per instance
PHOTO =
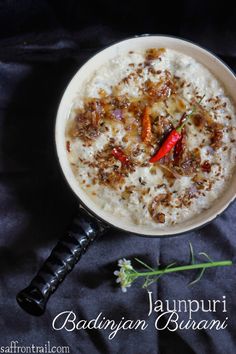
151,137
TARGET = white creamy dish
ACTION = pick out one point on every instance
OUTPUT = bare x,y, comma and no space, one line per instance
125,115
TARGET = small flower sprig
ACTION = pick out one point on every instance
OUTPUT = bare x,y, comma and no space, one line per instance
126,274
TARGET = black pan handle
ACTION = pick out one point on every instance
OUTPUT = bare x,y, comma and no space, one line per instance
84,229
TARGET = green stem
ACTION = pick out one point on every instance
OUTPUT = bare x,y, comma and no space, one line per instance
181,268
180,127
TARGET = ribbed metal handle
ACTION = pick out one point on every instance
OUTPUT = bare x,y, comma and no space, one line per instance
84,229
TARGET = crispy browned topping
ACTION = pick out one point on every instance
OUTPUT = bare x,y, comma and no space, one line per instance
199,181
161,199
87,122
216,136
191,161
127,192
111,172
154,53
203,120
158,91
169,173
68,146
161,127
199,121
160,218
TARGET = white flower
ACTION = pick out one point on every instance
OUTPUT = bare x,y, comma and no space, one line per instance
124,263
117,273
123,275
124,288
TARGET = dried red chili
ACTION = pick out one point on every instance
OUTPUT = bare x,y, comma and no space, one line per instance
171,140
146,126
119,154
206,166
179,147
174,136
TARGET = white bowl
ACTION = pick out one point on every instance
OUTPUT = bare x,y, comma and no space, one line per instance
218,69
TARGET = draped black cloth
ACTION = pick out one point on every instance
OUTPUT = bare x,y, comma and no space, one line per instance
42,44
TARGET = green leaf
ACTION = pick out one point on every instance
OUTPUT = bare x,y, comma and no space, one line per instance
192,258
206,255
148,281
198,278
144,264
169,266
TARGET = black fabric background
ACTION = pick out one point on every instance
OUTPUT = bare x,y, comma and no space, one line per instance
42,44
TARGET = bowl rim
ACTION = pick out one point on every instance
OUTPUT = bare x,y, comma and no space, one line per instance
85,206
